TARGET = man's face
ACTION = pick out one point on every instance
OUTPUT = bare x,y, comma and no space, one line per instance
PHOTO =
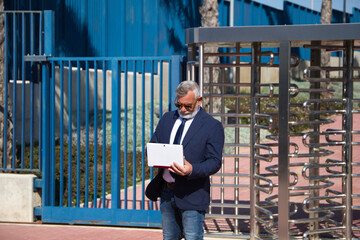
188,105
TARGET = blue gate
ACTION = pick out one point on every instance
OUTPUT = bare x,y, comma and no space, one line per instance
95,116
98,114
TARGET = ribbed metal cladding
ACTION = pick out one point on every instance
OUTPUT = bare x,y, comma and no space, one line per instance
291,127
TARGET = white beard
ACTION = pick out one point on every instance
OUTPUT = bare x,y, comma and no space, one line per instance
188,114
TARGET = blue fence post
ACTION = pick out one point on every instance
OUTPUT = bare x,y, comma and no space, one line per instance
45,108
115,134
176,76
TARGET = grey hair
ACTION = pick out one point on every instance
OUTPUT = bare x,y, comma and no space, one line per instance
186,86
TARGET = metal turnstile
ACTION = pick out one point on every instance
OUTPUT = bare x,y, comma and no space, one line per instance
291,159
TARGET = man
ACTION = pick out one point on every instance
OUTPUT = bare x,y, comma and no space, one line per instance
186,193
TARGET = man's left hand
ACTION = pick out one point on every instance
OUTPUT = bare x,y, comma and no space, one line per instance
182,171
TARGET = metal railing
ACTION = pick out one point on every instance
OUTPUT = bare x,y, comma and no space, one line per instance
98,113
23,35
289,168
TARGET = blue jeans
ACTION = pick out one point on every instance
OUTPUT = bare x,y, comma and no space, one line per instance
178,223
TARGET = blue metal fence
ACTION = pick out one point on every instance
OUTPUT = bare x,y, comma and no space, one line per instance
94,116
23,36
103,114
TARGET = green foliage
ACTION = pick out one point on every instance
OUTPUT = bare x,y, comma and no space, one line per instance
78,164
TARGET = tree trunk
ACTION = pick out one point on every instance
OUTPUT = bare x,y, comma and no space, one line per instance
326,11
8,150
209,18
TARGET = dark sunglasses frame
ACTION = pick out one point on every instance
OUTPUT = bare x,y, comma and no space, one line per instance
188,107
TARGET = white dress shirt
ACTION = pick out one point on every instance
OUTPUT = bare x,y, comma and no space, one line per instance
166,174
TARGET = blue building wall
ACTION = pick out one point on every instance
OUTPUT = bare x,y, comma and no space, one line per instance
152,27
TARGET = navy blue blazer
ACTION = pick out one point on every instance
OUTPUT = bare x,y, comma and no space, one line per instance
203,145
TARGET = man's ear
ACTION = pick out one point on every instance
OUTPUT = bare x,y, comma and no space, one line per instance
200,100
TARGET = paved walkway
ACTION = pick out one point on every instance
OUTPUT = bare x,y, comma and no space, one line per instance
13,231
10,231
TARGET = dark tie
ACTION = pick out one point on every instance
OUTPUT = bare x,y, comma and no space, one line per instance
179,131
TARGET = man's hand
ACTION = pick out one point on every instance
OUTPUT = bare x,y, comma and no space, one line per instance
182,171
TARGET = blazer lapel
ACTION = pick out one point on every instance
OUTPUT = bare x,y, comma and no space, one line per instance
195,126
170,126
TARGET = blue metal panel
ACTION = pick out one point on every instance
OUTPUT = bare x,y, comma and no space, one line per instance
119,28
151,28
355,16
99,216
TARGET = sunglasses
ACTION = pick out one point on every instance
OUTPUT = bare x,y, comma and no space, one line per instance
188,106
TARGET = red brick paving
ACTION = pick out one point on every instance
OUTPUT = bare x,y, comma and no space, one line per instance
13,231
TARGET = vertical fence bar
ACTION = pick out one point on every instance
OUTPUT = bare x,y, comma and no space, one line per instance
314,139
349,95
40,126
125,134
40,87
95,132
115,135
284,77
61,195
40,32
237,140
170,94
201,67
52,132
134,136
254,196
46,134
78,133
143,136
45,103
14,68
152,117
70,96
161,90
87,134
104,136
23,44
32,65
175,77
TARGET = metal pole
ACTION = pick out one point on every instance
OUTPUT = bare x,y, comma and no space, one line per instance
348,124
284,85
315,139
254,136
201,67
49,40
115,131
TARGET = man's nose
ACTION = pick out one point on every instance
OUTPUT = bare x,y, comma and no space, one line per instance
183,108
